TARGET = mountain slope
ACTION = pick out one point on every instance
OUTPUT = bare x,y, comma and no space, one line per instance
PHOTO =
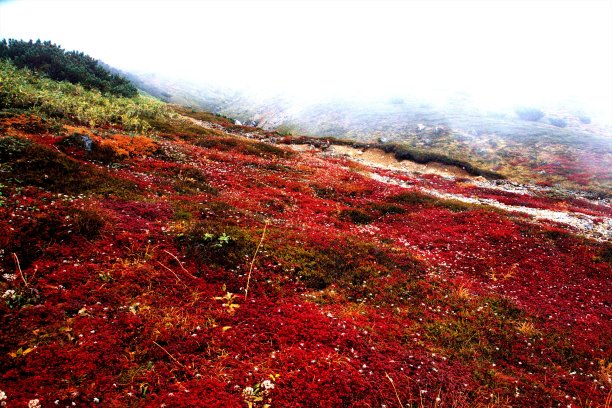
127,251
552,146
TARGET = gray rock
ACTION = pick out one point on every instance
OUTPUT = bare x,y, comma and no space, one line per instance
87,142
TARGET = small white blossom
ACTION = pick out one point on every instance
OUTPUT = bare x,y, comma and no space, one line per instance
9,276
35,403
267,385
9,293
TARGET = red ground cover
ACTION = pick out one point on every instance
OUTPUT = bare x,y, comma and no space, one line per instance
132,272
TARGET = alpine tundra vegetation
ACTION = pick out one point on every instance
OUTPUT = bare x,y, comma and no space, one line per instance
153,254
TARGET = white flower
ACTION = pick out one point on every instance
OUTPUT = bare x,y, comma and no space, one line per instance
9,293
267,385
35,403
96,400
9,276
248,391
2,395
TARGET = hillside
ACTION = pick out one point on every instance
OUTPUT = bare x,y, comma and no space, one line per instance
157,255
556,146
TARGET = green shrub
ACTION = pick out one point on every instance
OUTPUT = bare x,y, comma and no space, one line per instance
324,192
88,222
386,208
355,216
217,245
405,152
41,166
248,147
346,263
24,89
12,148
192,181
59,65
454,205
413,198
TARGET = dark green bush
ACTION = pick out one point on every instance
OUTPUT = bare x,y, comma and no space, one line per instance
72,66
386,208
41,166
217,245
405,152
192,181
12,148
413,198
355,216
346,263
88,222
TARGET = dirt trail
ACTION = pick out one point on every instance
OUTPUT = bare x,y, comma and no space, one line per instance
599,228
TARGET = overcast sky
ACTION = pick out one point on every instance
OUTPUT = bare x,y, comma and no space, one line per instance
502,51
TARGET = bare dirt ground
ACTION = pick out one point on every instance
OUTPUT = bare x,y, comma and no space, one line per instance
589,226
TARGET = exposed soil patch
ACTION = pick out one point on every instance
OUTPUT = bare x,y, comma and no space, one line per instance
589,226
378,158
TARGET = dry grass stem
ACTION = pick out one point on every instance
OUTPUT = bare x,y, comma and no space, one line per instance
246,291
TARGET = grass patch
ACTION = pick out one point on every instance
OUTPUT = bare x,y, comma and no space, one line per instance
404,152
387,208
355,216
217,245
30,164
327,193
416,198
186,129
346,263
413,198
190,181
88,222
481,330
248,147
203,116
24,89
